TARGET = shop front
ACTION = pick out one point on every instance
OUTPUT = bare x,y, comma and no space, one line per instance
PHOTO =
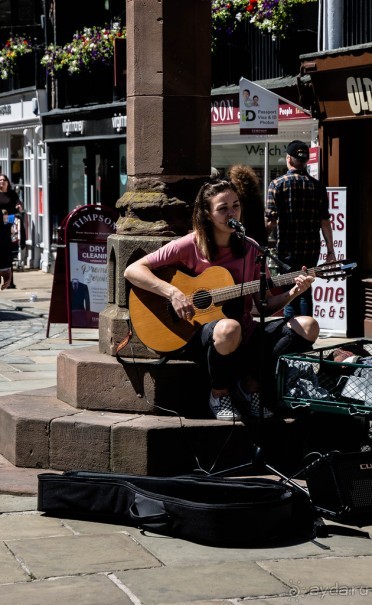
338,84
266,154
86,160
22,159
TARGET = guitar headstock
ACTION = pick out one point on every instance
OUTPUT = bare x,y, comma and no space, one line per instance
335,269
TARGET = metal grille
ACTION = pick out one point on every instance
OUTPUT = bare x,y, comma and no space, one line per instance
357,22
368,301
335,379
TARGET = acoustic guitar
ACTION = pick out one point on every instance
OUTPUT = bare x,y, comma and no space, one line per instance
158,326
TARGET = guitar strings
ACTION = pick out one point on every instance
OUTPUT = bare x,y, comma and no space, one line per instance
238,290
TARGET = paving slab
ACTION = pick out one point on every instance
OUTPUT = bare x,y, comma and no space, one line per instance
43,369
15,484
30,525
235,580
68,555
10,570
9,503
322,574
95,589
348,597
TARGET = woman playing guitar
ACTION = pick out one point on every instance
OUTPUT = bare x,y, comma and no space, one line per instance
229,342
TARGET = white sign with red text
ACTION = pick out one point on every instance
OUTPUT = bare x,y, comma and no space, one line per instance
313,162
329,297
225,110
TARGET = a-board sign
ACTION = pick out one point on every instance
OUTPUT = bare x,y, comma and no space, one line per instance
330,298
79,291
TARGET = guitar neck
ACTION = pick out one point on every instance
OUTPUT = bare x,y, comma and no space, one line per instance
229,292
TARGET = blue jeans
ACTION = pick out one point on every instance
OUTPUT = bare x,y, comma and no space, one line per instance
302,305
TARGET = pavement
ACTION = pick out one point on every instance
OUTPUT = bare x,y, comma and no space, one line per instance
54,560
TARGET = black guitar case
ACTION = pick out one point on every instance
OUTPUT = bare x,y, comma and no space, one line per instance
218,512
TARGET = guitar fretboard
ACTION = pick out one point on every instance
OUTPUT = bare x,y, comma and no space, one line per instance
220,295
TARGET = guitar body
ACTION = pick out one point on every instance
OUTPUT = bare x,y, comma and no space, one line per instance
154,319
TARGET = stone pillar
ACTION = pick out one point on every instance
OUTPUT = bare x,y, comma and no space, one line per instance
168,139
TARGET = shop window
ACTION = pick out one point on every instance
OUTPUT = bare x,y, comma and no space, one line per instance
123,168
16,159
98,172
77,185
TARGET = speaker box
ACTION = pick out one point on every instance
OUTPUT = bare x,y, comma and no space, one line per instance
340,487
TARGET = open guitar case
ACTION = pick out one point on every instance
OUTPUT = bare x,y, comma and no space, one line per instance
212,511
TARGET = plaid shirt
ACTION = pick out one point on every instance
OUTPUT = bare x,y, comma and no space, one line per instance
301,202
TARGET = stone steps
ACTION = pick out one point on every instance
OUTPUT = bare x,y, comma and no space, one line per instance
38,430
106,417
147,419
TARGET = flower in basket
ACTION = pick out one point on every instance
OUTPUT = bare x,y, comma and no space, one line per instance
90,47
226,15
272,16
13,48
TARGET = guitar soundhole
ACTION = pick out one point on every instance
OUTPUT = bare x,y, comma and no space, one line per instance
202,299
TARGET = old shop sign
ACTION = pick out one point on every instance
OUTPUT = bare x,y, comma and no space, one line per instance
69,127
91,224
359,94
225,110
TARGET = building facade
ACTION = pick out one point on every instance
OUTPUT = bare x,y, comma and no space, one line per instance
340,84
62,139
266,154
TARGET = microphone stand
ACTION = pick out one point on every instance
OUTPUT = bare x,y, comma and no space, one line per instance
258,462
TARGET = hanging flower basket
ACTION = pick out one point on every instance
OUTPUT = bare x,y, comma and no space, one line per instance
13,49
91,47
272,16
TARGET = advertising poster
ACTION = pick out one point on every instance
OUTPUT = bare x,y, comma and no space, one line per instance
259,109
329,297
88,285
80,281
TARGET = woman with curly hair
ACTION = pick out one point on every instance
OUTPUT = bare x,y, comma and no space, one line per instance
247,186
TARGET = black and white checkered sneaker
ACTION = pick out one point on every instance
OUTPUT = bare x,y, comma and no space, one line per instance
252,401
222,408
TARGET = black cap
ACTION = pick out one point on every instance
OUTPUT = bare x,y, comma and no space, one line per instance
298,150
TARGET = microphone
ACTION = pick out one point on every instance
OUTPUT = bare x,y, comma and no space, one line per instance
234,224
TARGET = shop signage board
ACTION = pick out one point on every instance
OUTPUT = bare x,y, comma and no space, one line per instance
330,298
79,290
259,109
313,163
225,110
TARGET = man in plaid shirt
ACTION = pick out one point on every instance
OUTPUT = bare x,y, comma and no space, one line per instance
297,205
